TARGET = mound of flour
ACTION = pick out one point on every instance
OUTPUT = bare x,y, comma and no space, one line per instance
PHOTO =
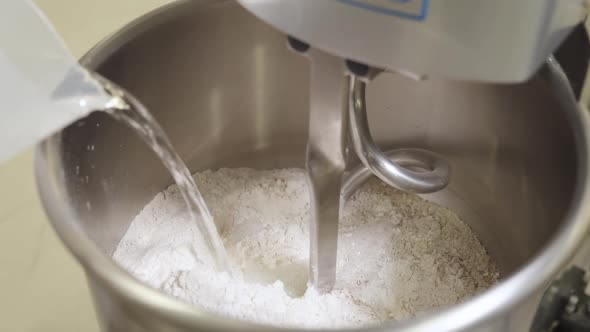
398,254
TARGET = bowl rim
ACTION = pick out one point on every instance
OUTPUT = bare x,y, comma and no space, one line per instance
485,306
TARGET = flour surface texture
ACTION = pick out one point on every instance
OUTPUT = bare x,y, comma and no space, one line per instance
399,255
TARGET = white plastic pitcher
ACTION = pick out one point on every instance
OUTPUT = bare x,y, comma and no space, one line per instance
42,86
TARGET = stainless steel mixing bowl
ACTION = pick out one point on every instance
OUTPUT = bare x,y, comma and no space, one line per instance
229,93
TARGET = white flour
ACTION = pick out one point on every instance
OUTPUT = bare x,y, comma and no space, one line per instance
398,254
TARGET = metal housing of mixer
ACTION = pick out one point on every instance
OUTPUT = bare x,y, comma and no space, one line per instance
230,94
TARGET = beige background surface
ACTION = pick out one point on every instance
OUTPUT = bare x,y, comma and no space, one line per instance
41,286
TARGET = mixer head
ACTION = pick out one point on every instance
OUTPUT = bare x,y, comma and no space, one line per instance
480,40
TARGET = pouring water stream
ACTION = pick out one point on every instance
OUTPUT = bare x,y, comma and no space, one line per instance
125,108
43,89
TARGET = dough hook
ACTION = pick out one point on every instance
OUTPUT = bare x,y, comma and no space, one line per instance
337,112
434,171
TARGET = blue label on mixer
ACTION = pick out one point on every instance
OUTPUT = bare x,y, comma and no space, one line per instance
410,9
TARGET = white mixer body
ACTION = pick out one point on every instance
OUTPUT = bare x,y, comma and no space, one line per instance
499,41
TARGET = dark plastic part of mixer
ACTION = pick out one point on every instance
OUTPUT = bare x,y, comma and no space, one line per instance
356,68
565,307
298,45
573,56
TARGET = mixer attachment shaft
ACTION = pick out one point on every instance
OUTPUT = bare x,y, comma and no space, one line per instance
326,162
337,93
